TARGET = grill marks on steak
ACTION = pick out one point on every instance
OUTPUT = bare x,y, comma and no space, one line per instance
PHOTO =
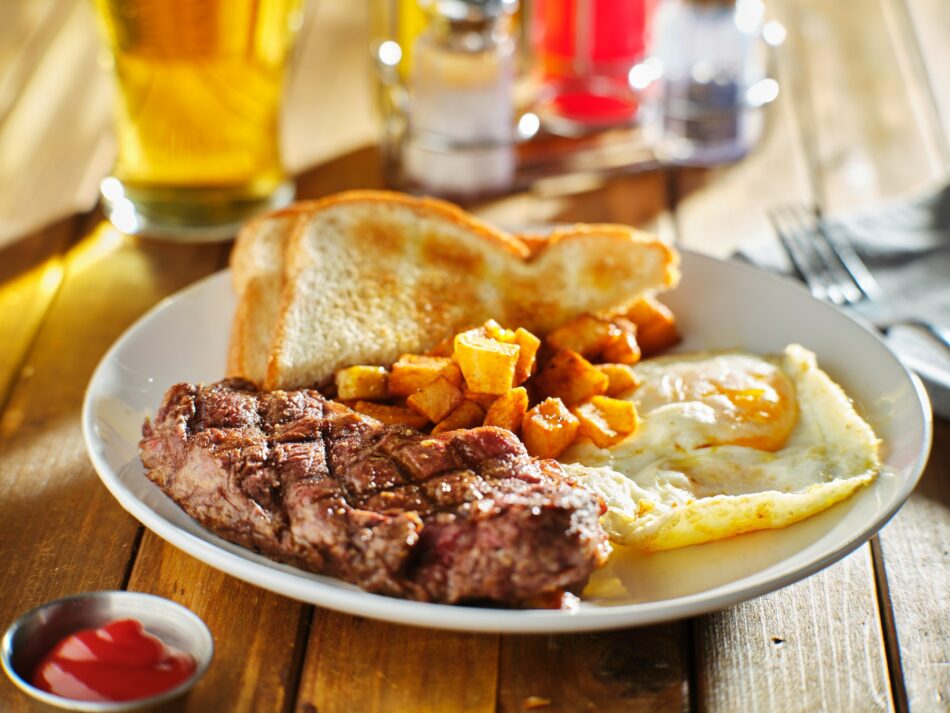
456,516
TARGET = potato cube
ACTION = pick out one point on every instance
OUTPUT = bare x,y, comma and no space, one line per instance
362,382
487,364
468,415
392,415
656,324
570,377
657,336
621,378
494,330
548,429
508,410
587,335
646,310
606,421
622,347
483,400
436,400
413,372
527,357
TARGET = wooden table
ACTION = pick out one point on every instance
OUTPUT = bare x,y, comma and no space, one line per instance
864,115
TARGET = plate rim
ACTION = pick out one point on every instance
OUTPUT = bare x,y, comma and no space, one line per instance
349,599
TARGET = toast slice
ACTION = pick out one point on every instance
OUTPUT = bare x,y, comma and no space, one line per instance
369,275
257,276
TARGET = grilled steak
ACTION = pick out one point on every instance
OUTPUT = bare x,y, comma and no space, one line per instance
463,515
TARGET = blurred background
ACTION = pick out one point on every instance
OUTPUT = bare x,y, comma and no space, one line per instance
865,73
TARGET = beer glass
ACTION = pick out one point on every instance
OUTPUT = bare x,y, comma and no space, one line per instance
200,84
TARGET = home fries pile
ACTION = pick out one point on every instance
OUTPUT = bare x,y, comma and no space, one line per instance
416,313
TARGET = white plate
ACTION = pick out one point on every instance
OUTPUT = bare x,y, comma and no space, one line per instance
719,305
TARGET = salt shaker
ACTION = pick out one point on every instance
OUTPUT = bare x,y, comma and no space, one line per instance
706,55
461,100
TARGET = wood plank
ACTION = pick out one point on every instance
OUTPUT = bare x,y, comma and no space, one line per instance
635,670
26,30
357,664
639,200
816,645
258,635
912,64
61,530
871,134
359,168
31,272
55,143
914,575
930,20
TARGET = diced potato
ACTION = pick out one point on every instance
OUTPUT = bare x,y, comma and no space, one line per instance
487,364
548,429
508,410
362,382
622,348
496,331
413,372
570,377
587,335
468,415
527,357
392,415
621,378
656,324
436,400
606,421
657,336
483,400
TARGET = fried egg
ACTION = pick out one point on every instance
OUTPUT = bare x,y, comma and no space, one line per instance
727,443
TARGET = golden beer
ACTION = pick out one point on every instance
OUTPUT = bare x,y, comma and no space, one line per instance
200,84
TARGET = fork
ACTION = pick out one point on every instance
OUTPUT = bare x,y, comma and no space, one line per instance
833,271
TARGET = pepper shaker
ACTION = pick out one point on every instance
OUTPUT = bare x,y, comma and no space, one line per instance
705,56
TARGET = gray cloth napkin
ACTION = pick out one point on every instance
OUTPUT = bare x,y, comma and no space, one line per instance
906,247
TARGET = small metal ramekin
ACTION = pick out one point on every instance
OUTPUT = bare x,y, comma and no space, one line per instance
35,634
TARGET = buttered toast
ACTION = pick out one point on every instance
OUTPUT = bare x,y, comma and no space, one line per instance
364,276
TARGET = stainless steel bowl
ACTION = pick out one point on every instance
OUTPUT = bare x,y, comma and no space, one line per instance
35,633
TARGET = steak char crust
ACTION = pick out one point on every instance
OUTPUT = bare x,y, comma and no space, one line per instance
462,515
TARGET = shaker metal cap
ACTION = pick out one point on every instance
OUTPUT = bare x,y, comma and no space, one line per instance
474,10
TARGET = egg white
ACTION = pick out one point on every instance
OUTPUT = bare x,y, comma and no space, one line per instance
677,480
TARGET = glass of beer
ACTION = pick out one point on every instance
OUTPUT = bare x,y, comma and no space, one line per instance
200,84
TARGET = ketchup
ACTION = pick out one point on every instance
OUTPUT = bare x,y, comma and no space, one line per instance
117,662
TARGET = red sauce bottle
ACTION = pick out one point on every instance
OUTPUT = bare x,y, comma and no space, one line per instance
585,50
116,662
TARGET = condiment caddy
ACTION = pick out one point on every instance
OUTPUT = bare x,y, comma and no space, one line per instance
481,97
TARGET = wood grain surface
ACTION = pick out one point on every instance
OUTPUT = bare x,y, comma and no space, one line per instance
636,670
912,557
360,664
863,117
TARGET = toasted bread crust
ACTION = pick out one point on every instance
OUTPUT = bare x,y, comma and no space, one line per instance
367,275
421,205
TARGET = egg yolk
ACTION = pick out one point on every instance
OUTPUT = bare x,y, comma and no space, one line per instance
753,401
